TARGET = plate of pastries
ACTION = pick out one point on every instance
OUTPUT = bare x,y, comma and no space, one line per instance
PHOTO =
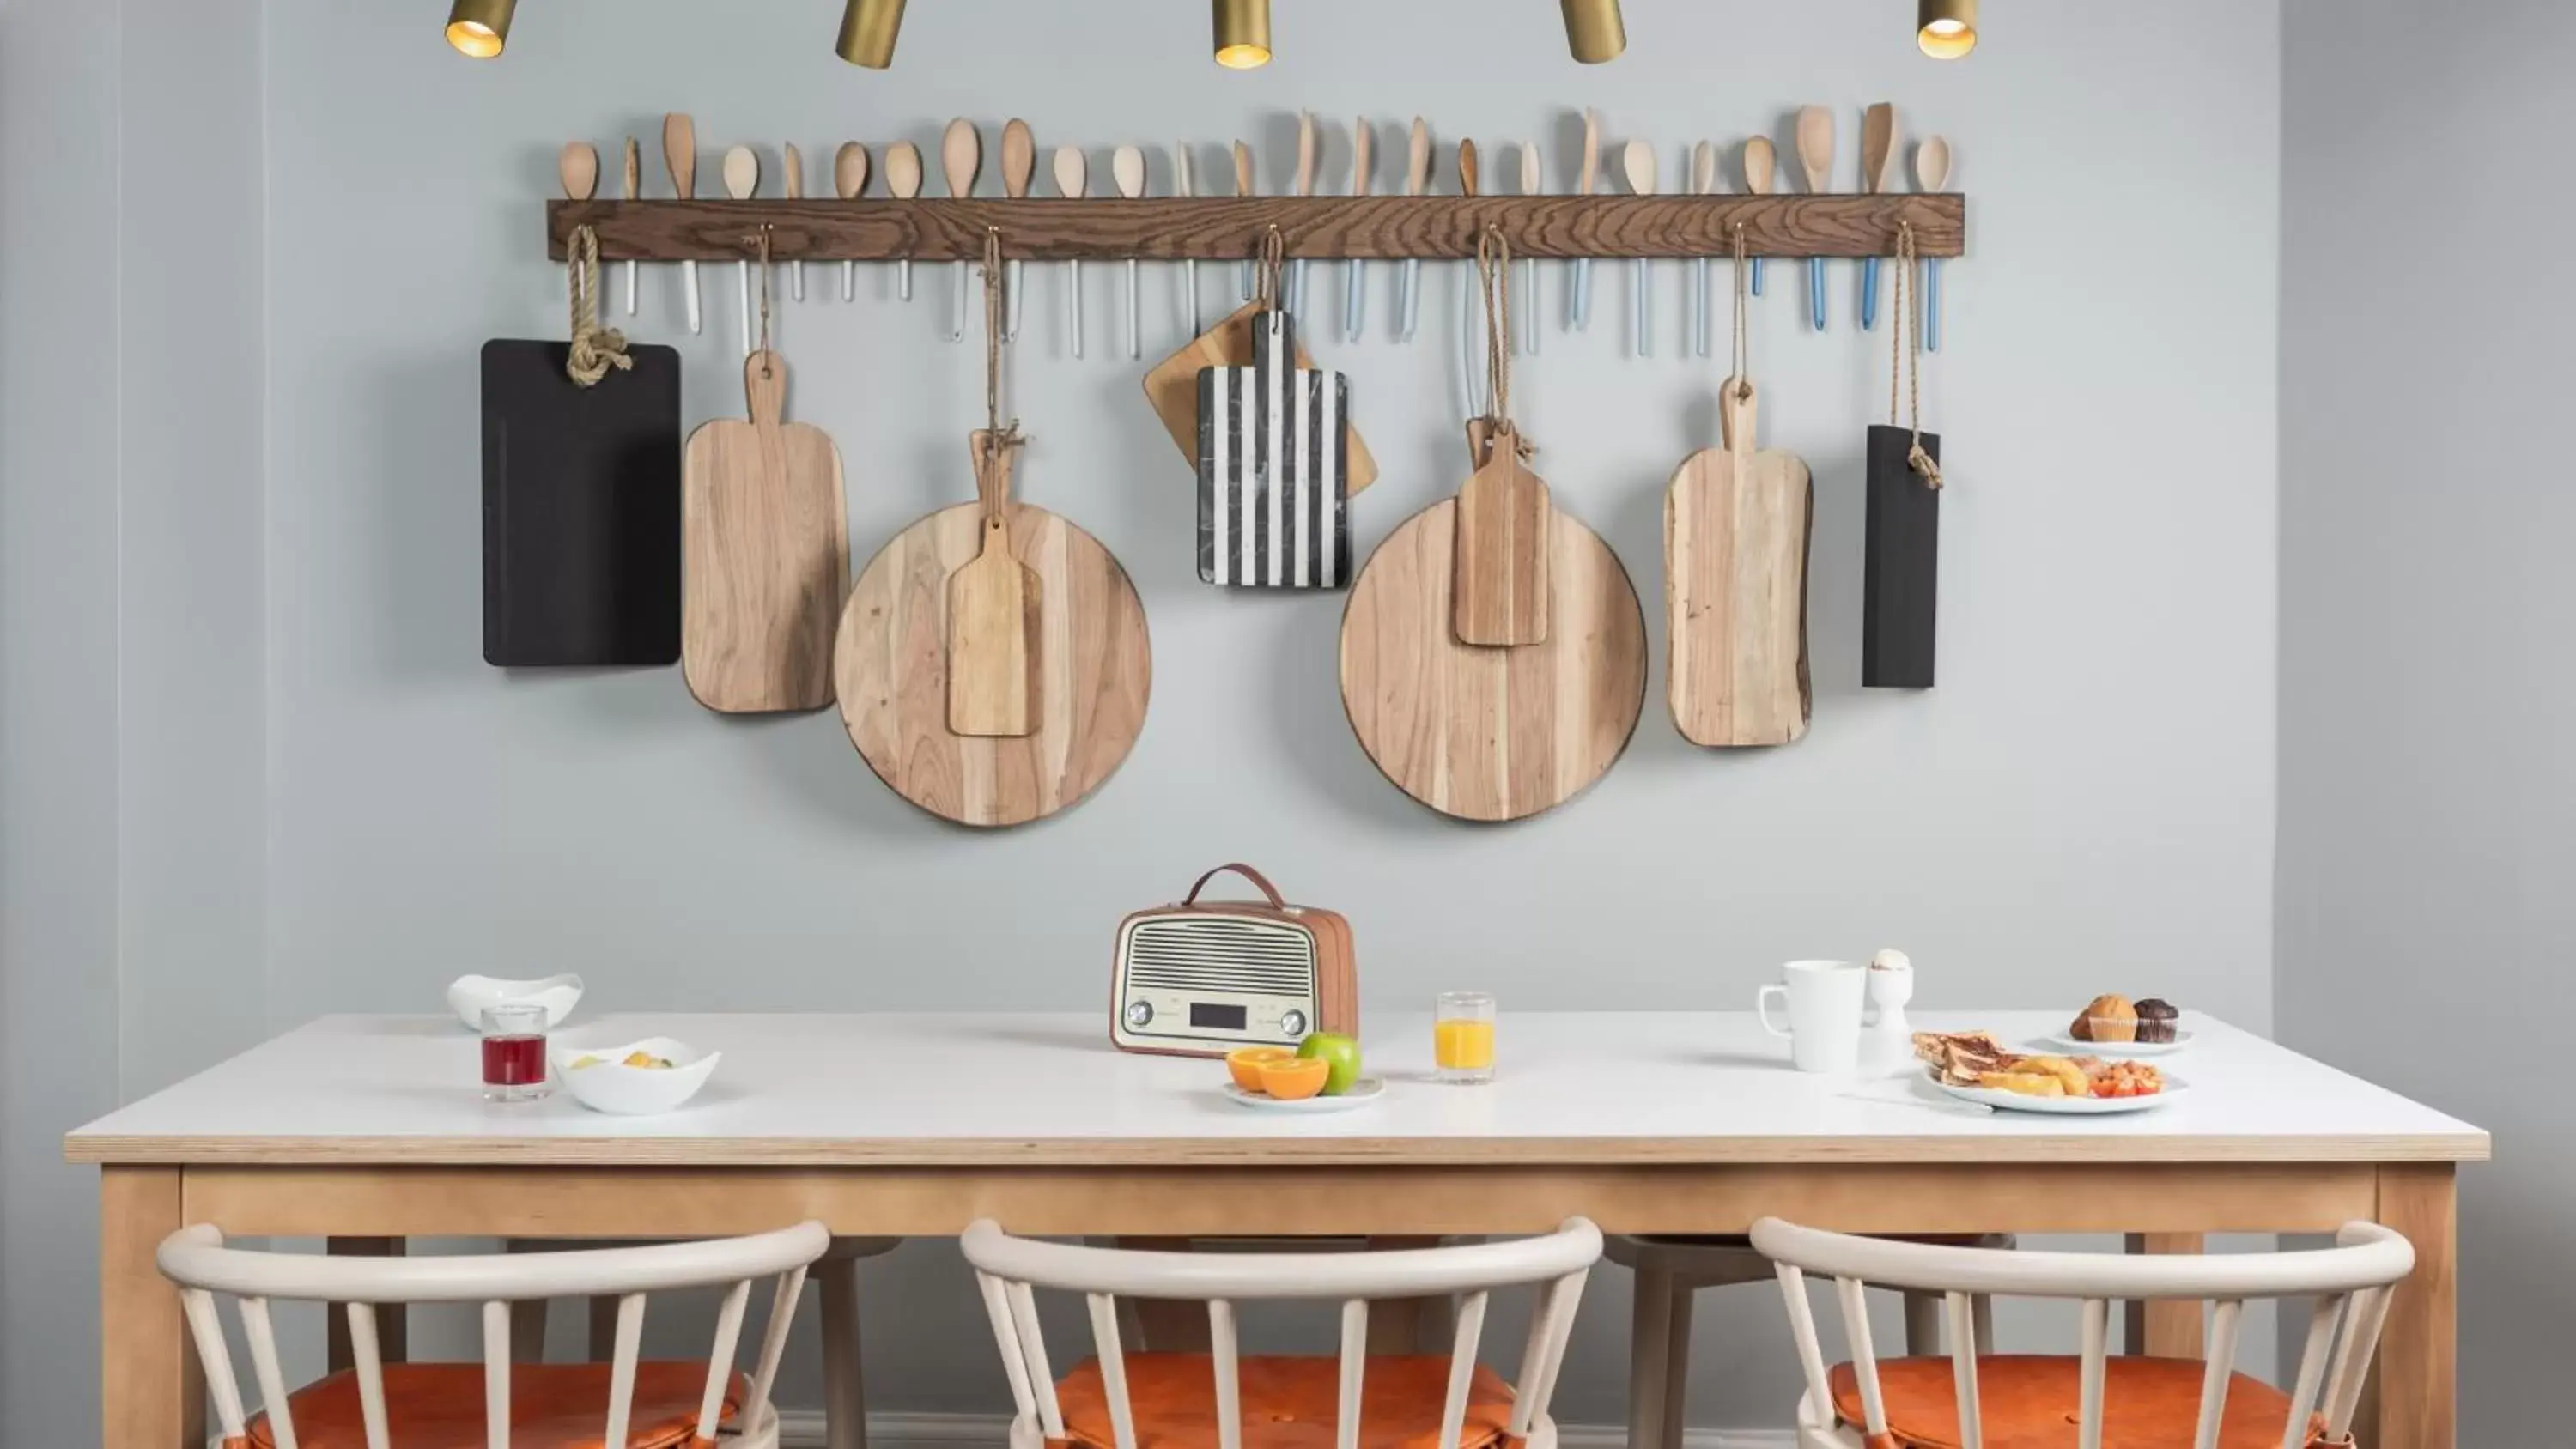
1974,1067
2149,1027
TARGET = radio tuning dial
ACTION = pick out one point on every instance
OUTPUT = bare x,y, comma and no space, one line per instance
1140,1014
1292,1023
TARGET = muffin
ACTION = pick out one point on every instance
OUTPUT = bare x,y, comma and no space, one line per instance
2156,1019
2106,1018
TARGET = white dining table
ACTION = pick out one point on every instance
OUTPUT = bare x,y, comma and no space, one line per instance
369,1130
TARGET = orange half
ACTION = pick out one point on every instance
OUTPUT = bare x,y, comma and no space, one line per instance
1294,1078
1245,1063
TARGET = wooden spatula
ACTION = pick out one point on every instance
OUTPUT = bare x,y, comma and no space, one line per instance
1504,524
1736,527
993,613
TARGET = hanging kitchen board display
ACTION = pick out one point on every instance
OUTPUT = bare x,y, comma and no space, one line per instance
992,664
1493,732
1901,565
1273,462
1737,523
581,493
1172,388
766,545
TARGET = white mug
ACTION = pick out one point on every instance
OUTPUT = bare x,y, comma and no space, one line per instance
1824,1003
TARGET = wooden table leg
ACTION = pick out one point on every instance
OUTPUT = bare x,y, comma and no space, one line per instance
152,1390
2413,1402
2167,1329
390,1327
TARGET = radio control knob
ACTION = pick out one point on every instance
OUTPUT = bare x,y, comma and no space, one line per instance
1139,1015
1292,1023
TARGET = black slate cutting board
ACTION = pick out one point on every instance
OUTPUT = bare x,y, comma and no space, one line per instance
1901,572
581,509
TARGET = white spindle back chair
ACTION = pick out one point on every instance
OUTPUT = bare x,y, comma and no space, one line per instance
1008,1269
2351,1283
198,1261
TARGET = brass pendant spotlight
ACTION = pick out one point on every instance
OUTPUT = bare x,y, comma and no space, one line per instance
868,30
1242,33
480,28
1945,29
1594,31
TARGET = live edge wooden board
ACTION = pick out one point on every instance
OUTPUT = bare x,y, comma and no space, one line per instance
1232,228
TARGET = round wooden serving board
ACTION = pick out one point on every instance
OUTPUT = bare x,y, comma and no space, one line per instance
1095,671
1491,733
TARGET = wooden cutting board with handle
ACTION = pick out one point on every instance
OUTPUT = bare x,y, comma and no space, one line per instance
993,611
1736,530
1172,387
1482,732
765,555
1090,668
1505,544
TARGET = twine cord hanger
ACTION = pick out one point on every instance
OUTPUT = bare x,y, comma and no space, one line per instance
997,438
1743,348
595,349
1909,360
1494,281
765,353
1266,263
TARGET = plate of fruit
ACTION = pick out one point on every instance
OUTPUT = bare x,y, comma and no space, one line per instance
1974,1067
1319,1074
2146,1028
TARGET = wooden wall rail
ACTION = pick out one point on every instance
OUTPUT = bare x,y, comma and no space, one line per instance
1228,229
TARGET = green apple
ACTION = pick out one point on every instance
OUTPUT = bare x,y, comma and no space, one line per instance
1341,1051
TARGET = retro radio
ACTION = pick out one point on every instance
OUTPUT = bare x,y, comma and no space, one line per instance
1202,978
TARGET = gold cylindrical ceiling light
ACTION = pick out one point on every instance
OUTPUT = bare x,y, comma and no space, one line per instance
1594,31
1946,29
480,28
868,30
1242,33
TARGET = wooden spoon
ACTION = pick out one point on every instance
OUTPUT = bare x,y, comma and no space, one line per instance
1760,164
578,165
1127,168
1019,164
1531,181
795,192
1471,307
1816,155
1296,299
1932,173
903,183
1189,265
634,190
742,182
1578,303
1877,155
850,181
961,159
680,158
1243,187
1703,182
1072,174
1355,283
1417,179
1638,161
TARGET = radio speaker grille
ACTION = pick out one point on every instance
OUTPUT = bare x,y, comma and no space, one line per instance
1251,958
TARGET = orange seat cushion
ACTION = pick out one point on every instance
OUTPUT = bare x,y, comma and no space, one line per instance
1288,1403
2031,1403
552,1406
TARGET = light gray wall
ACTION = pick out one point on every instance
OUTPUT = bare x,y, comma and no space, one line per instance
2085,800
2426,704
132,629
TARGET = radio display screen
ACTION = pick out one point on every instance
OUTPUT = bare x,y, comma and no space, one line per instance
1217,1018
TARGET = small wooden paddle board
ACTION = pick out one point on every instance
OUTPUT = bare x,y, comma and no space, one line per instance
765,555
1736,529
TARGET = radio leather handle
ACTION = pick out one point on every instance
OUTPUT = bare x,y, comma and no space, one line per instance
1245,871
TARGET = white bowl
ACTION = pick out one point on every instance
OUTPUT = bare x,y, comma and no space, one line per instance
610,1086
468,995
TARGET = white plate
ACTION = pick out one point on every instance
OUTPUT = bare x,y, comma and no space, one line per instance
1362,1092
2066,1045
623,1091
2004,1101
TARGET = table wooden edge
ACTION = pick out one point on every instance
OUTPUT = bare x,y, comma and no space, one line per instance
102,1149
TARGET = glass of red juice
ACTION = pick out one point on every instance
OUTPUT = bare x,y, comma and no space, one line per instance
514,1052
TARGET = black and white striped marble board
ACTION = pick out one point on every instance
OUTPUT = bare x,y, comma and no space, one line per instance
1273,470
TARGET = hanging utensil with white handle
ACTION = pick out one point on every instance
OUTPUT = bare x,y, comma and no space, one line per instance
1703,182
1932,173
680,158
903,183
1019,164
1355,277
1305,187
1071,175
1189,265
1243,187
634,190
1578,297
1471,356
1530,184
742,182
1639,162
849,180
1127,167
961,159
1417,179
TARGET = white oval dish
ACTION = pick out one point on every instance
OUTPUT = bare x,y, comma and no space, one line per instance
1363,1092
468,995
2114,1050
612,1087
2003,1101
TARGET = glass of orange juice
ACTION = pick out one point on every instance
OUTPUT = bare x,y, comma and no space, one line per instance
1462,1036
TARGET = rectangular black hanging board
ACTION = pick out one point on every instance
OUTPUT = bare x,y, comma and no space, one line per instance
581,509
1901,573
